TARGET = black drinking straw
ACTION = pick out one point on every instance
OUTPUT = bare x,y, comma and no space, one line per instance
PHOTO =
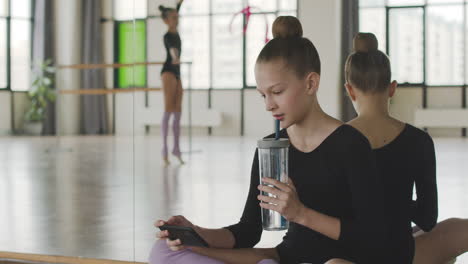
277,129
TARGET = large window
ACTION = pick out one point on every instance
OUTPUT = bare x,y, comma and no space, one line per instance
15,44
425,39
222,56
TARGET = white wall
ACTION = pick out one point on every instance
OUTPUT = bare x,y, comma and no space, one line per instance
21,104
406,100
5,114
258,121
228,103
68,43
444,98
321,21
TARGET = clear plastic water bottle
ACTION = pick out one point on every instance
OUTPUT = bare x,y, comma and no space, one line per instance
273,163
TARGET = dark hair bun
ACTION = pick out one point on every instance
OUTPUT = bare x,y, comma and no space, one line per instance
365,42
287,27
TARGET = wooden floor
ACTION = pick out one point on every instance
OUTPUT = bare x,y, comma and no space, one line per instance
97,197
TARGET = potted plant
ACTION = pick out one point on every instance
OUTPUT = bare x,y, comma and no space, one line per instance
40,95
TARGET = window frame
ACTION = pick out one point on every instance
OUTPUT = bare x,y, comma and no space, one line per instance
8,22
211,14
423,7
423,85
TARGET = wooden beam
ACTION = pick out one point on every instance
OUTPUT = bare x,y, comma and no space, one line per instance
104,65
108,91
5,256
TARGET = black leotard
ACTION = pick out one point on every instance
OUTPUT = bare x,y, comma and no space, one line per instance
172,40
408,159
340,179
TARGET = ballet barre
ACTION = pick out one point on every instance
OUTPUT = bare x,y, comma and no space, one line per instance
108,91
113,91
110,65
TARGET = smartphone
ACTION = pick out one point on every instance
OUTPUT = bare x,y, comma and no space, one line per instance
187,235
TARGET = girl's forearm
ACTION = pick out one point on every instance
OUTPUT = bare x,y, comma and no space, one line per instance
216,238
324,224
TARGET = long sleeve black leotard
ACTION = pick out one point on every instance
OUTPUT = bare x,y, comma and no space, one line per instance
340,179
409,159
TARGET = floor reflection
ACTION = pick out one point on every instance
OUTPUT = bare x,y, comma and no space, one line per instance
98,197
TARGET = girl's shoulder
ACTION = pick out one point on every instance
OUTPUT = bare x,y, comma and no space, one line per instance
418,136
343,135
345,140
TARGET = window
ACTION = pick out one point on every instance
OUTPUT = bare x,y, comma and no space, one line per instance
371,3
227,53
128,10
3,54
466,45
223,67
256,40
196,31
405,46
20,54
15,44
405,2
444,1
261,21
216,52
433,53
444,41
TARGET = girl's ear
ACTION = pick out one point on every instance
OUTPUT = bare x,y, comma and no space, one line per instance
392,88
312,82
351,92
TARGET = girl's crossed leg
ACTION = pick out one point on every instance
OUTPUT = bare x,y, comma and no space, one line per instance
161,254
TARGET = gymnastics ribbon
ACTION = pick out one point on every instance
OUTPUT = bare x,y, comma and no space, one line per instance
247,13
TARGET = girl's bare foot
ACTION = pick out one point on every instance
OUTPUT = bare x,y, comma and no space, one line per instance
166,161
179,158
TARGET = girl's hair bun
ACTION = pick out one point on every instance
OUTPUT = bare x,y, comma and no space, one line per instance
365,42
287,27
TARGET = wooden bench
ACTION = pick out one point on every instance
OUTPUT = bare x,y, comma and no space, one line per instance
132,115
443,117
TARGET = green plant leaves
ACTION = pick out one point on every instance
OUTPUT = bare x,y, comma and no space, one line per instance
41,93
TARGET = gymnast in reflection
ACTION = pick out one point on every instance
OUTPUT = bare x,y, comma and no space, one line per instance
405,157
171,83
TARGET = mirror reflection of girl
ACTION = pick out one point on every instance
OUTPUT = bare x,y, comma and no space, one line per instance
333,199
405,156
171,83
